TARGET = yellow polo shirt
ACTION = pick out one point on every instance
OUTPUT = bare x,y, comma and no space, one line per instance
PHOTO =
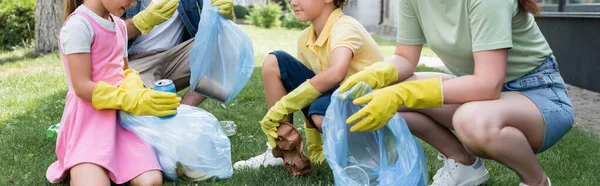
339,31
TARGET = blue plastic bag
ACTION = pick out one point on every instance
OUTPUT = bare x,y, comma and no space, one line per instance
193,137
222,57
388,156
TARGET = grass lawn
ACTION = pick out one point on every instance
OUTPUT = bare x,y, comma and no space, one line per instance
32,98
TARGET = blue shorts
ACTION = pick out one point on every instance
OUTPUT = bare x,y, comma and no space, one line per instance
545,86
293,73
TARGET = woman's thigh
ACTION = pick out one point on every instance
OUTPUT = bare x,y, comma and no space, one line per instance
545,87
482,120
441,115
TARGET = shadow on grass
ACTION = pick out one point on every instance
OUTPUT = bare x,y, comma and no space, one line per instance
25,55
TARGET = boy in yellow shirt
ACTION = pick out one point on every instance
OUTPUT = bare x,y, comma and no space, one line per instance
333,48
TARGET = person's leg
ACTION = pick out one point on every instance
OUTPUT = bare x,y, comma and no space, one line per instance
533,116
438,134
318,119
175,65
434,125
172,64
313,127
274,89
150,178
192,98
510,131
145,64
89,174
282,73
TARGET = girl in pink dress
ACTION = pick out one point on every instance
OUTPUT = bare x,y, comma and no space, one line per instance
92,147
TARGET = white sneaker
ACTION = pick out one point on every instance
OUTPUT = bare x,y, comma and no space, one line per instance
264,159
549,183
457,174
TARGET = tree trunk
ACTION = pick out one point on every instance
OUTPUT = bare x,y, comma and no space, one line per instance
48,21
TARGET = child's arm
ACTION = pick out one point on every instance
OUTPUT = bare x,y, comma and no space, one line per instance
125,63
106,96
80,65
335,72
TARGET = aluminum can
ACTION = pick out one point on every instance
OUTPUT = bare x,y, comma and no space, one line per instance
165,85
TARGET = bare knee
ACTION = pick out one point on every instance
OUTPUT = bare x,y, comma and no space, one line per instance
149,178
89,174
476,128
270,65
317,119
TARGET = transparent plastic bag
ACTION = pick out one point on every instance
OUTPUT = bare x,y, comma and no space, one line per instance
222,57
193,137
388,156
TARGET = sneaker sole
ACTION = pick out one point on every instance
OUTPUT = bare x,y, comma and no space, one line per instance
477,181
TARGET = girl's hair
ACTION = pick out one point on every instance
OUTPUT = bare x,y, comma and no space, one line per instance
529,6
70,6
340,3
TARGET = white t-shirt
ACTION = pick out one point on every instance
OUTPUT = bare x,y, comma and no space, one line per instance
77,34
162,37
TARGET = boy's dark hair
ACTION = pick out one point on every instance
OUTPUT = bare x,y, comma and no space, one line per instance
340,3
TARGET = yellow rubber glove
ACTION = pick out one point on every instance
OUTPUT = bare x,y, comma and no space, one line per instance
296,100
314,145
154,14
139,102
225,8
385,102
132,80
377,75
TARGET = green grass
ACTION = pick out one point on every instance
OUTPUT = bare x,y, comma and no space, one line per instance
33,89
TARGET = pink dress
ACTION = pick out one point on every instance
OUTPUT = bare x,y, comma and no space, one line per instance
87,135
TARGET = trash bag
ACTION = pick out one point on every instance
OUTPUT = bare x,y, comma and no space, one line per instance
192,139
388,156
222,57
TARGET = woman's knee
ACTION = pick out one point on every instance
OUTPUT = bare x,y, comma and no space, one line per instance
476,128
149,178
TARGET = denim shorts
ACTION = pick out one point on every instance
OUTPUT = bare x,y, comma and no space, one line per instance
545,86
293,73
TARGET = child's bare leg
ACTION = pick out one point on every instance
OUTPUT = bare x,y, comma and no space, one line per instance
318,119
89,174
274,89
150,178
